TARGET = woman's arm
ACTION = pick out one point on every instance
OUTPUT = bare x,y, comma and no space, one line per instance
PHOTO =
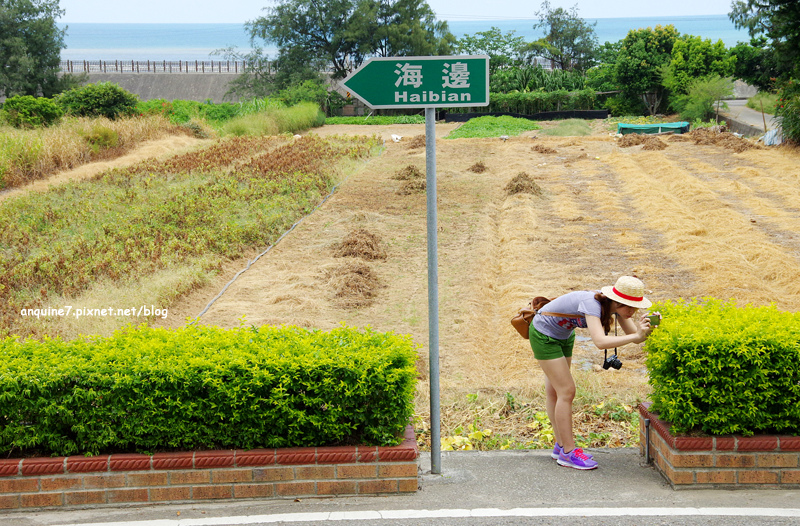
633,334
629,325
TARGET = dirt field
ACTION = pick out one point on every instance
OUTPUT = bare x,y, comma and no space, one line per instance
690,220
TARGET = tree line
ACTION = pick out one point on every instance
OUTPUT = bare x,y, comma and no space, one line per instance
650,70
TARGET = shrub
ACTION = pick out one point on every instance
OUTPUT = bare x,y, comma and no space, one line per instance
623,105
25,111
307,91
378,120
101,138
704,124
196,130
103,99
183,111
276,119
149,389
217,112
704,95
157,107
722,369
535,78
256,105
788,110
538,101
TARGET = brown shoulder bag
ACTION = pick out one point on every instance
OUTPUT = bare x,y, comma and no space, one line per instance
522,321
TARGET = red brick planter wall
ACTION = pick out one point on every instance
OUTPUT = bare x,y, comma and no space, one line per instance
191,476
721,461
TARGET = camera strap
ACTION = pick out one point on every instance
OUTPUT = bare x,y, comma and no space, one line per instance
605,351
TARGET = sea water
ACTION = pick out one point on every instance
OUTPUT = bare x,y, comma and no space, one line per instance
198,41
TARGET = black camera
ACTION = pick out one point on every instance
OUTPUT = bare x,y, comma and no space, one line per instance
612,361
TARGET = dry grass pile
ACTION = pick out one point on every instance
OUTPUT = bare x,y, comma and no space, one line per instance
360,243
654,144
354,284
408,173
635,139
417,141
714,137
478,167
522,184
541,148
415,186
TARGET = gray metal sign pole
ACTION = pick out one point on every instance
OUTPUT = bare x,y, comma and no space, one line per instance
417,82
433,288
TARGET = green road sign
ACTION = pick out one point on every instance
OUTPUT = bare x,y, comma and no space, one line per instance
421,82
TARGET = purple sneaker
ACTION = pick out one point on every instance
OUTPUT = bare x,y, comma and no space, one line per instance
576,459
557,451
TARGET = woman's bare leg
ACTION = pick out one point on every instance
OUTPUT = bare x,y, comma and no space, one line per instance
559,392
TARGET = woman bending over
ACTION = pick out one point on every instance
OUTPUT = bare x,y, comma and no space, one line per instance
552,335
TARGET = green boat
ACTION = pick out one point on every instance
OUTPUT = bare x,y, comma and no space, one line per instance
666,127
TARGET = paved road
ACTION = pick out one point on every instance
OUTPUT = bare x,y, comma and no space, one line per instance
738,111
480,488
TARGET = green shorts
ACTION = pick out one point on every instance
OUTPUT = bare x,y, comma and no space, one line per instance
547,348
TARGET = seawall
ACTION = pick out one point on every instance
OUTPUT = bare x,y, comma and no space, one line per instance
173,86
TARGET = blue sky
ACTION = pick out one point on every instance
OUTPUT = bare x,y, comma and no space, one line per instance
214,11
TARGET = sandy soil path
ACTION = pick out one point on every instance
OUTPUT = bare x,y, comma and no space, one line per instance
151,149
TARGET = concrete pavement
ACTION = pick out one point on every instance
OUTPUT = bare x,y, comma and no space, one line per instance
481,488
747,121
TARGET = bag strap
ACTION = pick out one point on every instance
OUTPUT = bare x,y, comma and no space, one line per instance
561,315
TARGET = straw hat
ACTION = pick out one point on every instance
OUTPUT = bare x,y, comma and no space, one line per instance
628,291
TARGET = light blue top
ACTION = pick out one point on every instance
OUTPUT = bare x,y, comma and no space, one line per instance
579,303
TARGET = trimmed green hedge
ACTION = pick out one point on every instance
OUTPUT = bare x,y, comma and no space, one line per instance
539,101
530,102
147,390
722,369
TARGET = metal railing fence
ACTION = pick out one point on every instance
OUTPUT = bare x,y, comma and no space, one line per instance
154,66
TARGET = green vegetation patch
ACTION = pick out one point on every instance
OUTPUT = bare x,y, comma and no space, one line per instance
26,111
722,369
766,102
490,126
378,120
275,120
104,99
148,390
569,128
529,103
263,116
